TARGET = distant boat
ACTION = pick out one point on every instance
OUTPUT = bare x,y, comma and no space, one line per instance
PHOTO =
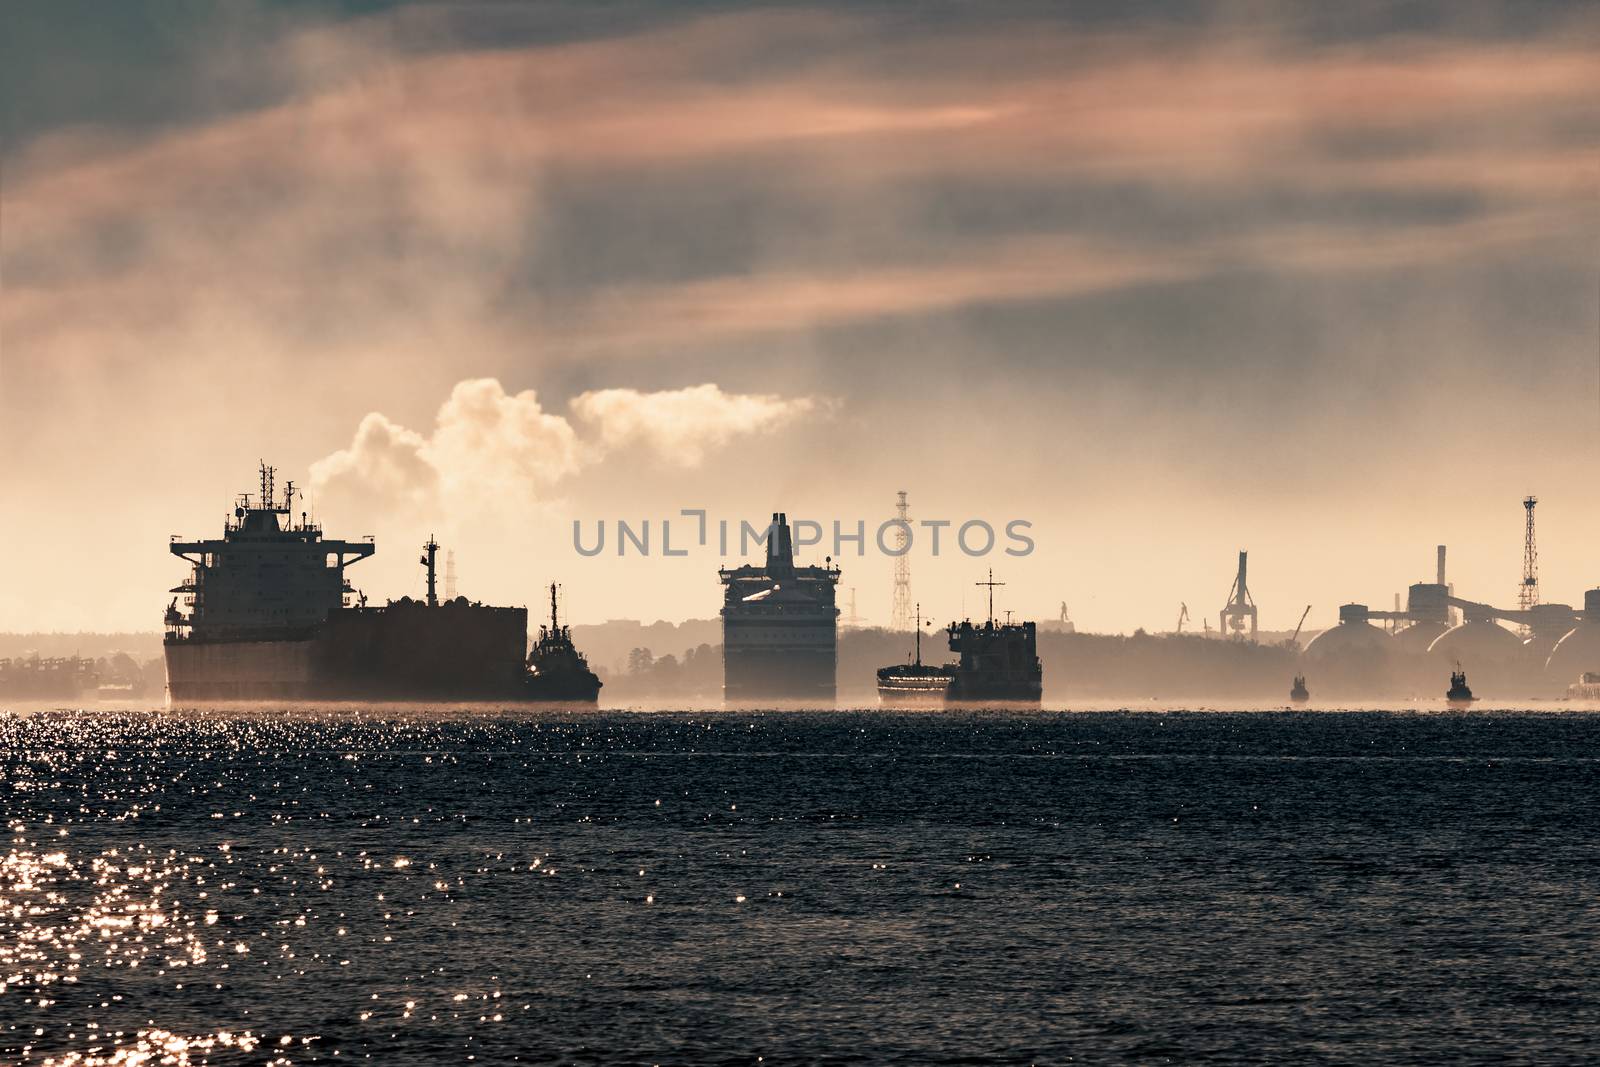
1458,692
1587,687
999,662
1299,694
557,671
915,682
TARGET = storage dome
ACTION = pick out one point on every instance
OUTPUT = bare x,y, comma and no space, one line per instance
1477,641
1574,654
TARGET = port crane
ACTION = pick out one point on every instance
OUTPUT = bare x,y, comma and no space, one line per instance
1240,607
1183,616
1294,641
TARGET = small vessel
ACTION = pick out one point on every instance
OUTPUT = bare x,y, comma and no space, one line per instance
1587,687
1299,694
915,682
557,671
1458,692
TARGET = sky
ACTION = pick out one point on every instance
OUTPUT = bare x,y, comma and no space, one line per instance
1164,281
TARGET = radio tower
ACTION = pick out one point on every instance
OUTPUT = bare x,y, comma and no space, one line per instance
1528,595
900,616
450,574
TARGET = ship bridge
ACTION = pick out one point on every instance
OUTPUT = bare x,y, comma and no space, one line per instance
267,573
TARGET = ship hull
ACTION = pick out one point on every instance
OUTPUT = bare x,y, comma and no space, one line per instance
907,695
199,670
792,661
398,653
563,688
966,690
922,686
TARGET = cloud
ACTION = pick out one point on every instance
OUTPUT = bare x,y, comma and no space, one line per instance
493,452
680,425
410,194
1111,230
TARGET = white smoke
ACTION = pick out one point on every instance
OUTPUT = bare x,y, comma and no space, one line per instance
678,426
490,451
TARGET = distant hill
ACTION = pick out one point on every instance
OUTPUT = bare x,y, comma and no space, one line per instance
607,644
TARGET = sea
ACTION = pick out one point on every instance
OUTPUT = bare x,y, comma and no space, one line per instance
478,886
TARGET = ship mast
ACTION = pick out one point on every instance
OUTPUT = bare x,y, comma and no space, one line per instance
432,551
267,474
991,583
919,633
553,625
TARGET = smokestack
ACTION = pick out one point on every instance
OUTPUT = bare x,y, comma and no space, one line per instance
780,546
1441,565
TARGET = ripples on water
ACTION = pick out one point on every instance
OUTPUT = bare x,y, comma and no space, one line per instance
916,888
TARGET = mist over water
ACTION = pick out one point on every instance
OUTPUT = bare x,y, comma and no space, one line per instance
426,887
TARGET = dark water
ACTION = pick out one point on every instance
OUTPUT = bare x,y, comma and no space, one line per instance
791,888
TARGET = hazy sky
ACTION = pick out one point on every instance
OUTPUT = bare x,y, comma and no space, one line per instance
1167,280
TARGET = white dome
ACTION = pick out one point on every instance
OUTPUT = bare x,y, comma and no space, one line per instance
1349,639
1477,641
1417,638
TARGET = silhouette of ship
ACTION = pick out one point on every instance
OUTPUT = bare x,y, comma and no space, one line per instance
1587,687
1299,694
1458,693
780,627
997,662
48,678
915,682
559,672
270,617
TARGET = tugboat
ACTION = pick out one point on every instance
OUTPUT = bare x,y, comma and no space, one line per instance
1299,694
557,670
999,663
915,682
1459,695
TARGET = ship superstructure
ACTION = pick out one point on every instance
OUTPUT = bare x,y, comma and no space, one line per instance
780,627
915,682
999,661
558,670
257,598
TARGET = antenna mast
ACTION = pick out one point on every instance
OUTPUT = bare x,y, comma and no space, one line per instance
991,583
266,485
1528,593
900,614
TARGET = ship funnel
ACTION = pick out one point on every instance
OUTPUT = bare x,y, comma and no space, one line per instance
780,545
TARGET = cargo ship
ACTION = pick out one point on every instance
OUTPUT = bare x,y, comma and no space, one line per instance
915,682
780,627
271,615
999,662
